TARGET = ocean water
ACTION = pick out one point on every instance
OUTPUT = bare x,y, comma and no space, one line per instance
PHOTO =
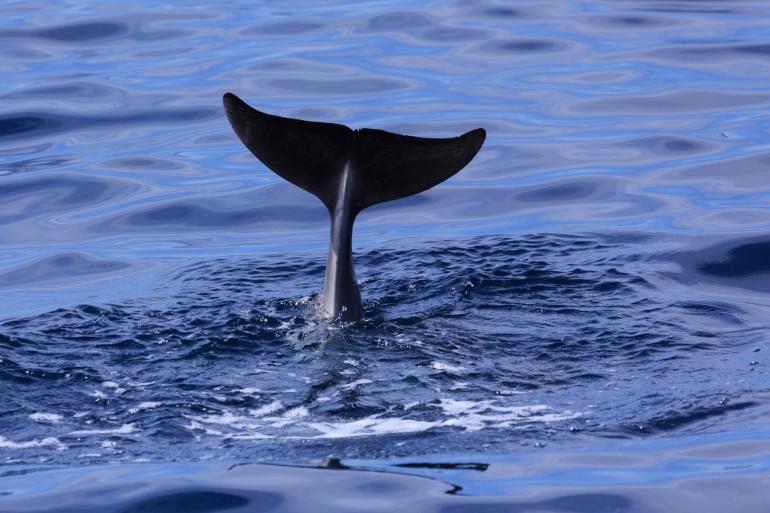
577,321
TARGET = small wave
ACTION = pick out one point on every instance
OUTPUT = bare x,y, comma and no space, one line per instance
125,429
298,422
229,352
146,405
47,418
742,262
44,442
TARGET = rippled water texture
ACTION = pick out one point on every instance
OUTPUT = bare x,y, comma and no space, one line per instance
707,474
600,271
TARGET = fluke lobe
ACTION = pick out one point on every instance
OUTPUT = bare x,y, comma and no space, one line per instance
348,170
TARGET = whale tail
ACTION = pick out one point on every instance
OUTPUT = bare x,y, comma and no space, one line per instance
313,155
348,170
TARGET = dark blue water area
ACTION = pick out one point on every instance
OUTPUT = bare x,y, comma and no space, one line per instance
589,297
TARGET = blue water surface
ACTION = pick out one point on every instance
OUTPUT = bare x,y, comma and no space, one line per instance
599,274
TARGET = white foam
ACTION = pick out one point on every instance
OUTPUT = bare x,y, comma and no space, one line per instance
147,405
141,384
115,387
125,429
46,418
254,435
477,415
45,442
225,419
467,415
442,366
507,391
289,417
356,383
370,426
267,409
250,427
298,423
246,427
299,411
197,426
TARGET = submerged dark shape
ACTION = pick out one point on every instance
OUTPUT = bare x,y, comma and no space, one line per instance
479,467
348,170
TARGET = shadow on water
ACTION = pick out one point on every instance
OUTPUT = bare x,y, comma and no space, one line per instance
742,263
62,267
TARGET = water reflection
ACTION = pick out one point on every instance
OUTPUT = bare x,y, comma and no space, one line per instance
32,198
27,126
693,101
743,263
58,268
701,473
526,45
282,29
80,32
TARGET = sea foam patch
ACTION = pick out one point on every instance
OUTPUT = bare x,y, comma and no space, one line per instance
46,418
125,429
43,442
277,421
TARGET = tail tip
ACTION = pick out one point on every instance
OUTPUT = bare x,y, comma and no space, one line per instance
229,98
476,137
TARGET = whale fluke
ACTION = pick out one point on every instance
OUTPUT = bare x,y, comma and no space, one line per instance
348,170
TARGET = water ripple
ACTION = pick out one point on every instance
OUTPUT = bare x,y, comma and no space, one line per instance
163,281
28,125
556,317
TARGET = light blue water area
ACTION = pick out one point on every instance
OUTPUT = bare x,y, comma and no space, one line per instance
700,473
600,272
